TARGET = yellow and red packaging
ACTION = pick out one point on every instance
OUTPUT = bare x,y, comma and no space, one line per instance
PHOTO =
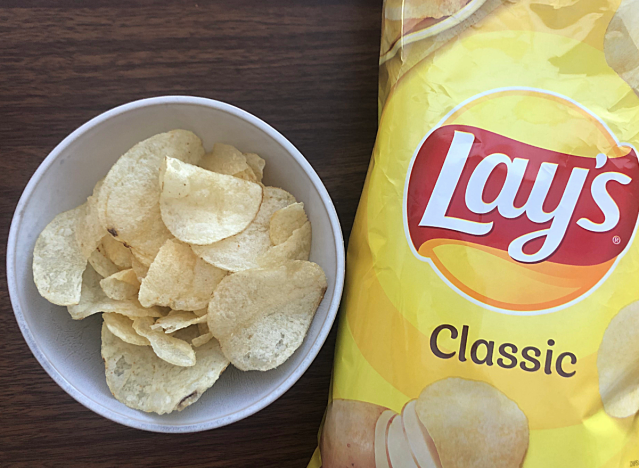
495,237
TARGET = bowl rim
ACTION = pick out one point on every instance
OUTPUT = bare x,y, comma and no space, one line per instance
256,406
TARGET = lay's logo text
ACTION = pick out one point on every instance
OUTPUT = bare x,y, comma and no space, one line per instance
543,227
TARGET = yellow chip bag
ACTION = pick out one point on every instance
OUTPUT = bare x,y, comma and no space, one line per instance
490,316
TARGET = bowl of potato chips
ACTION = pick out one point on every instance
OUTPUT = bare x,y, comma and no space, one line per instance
175,264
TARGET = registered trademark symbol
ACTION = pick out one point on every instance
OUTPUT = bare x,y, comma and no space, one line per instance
616,240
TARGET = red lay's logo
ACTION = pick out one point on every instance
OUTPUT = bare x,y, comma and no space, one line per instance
515,226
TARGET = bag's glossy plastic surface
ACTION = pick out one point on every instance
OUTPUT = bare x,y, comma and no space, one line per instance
490,316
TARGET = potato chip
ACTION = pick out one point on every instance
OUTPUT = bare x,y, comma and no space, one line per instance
202,339
285,221
101,264
473,424
201,207
88,231
93,301
618,364
139,268
172,350
121,285
58,262
128,204
122,327
226,159
141,380
261,316
116,251
202,311
296,247
177,320
256,164
203,328
241,251
128,276
179,279
247,174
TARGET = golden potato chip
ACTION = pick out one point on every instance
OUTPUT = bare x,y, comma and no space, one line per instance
141,380
93,301
58,262
202,327
179,279
256,164
170,349
202,311
261,316
121,285
176,320
201,207
403,10
226,159
285,221
473,424
101,264
247,174
140,268
202,339
88,231
128,204
128,276
618,364
296,247
116,252
122,327
241,251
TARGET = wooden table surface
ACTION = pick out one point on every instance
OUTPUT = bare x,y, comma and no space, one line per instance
307,67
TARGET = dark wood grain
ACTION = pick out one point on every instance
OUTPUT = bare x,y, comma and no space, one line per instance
307,67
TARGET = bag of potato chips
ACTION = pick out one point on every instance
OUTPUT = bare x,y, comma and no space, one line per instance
491,310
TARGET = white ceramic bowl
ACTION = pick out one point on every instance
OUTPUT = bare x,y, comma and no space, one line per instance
70,350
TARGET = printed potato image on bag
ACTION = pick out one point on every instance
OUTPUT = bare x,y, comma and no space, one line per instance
490,313
454,422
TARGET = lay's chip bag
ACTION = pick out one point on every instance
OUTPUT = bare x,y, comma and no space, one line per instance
491,310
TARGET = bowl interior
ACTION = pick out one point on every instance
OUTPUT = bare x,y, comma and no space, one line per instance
70,350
